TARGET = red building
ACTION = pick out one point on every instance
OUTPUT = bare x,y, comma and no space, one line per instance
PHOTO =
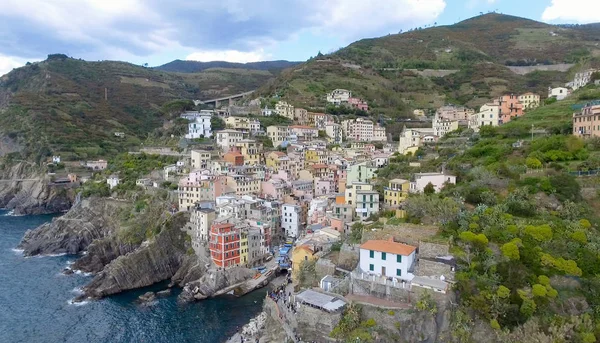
234,157
225,245
510,107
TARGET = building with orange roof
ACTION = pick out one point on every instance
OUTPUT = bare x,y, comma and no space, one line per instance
300,254
234,157
387,258
224,245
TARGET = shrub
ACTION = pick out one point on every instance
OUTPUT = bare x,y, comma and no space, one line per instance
539,291
494,324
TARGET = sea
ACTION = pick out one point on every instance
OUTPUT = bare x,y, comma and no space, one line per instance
36,303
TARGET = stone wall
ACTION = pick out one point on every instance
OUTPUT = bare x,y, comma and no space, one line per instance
324,267
431,268
432,250
369,288
349,256
315,325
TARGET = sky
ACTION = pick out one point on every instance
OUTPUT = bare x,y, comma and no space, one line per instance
158,31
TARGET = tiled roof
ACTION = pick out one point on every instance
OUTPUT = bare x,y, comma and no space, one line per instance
389,247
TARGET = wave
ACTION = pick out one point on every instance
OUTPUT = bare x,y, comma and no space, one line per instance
77,290
79,272
18,251
49,255
77,303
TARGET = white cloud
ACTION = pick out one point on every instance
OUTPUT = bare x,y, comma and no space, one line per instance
238,30
579,11
228,55
8,63
360,18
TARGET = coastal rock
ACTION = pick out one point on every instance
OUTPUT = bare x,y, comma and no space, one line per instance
72,233
32,192
68,271
154,261
164,293
214,282
101,252
147,297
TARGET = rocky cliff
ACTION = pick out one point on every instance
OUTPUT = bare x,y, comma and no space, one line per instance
213,282
26,190
72,233
156,260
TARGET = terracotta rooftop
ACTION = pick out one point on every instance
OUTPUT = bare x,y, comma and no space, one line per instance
389,247
319,166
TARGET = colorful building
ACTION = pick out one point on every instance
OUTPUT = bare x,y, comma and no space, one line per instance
396,192
225,245
586,123
510,108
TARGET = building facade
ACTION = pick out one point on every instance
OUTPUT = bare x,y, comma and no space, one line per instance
291,219
387,259
396,192
224,245
586,123
200,127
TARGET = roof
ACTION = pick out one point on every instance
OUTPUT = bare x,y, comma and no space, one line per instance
304,247
399,181
389,247
426,281
320,300
319,166
278,153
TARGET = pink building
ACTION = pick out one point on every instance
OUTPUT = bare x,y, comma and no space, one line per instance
274,189
337,224
358,103
324,187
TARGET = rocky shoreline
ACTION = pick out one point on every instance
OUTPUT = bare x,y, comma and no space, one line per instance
32,192
91,230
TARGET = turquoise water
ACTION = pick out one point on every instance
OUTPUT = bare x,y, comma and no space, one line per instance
35,304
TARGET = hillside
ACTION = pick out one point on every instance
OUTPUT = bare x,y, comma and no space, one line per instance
465,63
179,66
59,105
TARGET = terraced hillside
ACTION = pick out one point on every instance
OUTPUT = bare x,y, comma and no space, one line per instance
465,63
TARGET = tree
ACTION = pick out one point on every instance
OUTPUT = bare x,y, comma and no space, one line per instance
539,291
533,163
542,233
429,189
503,292
217,123
511,251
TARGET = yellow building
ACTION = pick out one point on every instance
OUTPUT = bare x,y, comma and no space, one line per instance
352,189
243,185
278,134
276,160
251,150
285,110
314,156
299,255
396,192
244,248
529,100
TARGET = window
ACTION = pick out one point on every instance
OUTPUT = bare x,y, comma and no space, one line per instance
371,254
399,258
383,256
305,258
398,272
371,267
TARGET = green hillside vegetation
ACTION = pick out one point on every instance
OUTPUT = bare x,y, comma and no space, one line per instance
59,106
179,66
468,59
523,228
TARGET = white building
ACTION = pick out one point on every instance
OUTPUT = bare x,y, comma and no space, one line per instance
113,181
387,259
489,114
363,130
226,139
290,219
339,96
559,93
192,115
367,203
412,139
442,126
55,159
581,79
200,159
334,131
438,180
267,112
200,221
200,127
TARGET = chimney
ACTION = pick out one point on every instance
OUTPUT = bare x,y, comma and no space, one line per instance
391,239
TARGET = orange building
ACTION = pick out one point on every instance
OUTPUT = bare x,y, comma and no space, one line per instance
234,157
225,245
510,107
587,122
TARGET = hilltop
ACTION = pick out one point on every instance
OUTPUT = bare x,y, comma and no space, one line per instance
179,66
73,107
465,63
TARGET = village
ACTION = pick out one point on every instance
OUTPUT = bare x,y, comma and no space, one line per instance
307,205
